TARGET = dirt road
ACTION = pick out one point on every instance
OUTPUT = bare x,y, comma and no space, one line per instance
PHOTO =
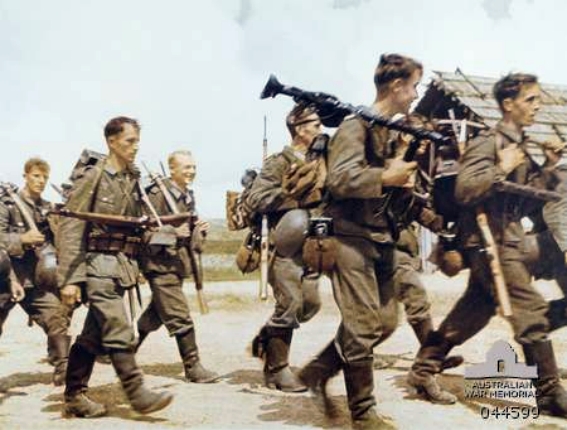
239,401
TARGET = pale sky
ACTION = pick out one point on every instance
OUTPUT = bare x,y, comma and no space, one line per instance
191,71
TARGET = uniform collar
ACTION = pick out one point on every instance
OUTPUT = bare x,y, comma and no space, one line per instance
510,132
130,170
177,191
26,198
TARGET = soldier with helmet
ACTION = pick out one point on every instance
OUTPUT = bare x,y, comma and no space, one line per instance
276,193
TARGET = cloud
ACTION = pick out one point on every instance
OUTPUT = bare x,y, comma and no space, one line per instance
192,72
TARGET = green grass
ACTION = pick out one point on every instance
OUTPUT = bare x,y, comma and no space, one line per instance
222,247
216,274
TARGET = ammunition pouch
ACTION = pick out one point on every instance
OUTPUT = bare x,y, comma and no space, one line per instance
248,254
114,243
320,247
299,180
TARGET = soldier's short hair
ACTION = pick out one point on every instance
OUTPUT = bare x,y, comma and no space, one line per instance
116,125
297,117
511,85
174,154
40,163
394,66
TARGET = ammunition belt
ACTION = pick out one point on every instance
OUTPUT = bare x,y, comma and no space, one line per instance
113,243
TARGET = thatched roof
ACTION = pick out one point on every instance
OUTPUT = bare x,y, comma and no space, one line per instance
471,97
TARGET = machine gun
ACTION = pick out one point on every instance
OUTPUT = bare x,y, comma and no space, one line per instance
332,111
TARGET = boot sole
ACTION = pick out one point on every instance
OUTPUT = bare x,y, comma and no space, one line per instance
157,406
71,414
273,386
204,381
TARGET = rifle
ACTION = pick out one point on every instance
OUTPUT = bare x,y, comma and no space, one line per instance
122,220
527,191
196,267
264,234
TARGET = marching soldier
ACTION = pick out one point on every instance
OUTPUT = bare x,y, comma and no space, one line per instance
99,261
359,170
492,157
165,268
295,288
22,242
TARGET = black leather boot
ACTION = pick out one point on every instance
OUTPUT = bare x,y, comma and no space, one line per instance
79,370
422,330
58,345
550,395
359,382
316,374
259,344
427,364
143,400
194,370
277,373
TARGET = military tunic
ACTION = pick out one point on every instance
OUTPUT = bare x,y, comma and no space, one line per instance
165,269
474,188
363,277
104,274
295,289
42,304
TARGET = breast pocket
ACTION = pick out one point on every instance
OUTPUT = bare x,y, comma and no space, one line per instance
105,204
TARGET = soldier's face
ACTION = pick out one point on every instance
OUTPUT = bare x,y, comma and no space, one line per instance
183,170
125,144
310,129
405,92
523,109
36,180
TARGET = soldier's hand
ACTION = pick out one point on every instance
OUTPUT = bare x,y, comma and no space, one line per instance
32,237
398,173
70,294
203,226
510,158
18,292
183,231
565,258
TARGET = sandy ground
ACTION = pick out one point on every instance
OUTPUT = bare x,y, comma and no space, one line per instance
239,401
